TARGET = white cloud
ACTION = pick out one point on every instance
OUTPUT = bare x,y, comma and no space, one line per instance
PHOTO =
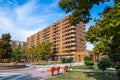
23,21
24,11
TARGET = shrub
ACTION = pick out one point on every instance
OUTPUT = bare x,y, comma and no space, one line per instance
117,67
64,60
87,58
89,63
104,63
69,60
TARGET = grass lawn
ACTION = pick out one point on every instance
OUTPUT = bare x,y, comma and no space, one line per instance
85,76
84,67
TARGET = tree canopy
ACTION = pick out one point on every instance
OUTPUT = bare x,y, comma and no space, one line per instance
80,9
42,50
5,47
106,34
18,52
45,49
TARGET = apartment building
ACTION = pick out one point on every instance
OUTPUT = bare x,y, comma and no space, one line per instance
14,43
67,39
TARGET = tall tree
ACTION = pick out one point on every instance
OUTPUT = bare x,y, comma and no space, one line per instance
105,35
45,49
33,52
80,9
18,53
5,47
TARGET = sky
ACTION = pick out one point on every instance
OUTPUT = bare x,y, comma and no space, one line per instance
22,18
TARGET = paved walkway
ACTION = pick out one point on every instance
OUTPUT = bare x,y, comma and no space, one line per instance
36,72
24,74
33,72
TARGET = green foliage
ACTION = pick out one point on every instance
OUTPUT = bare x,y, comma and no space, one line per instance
90,67
64,60
104,63
84,67
43,50
33,52
67,60
105,35
89,63
72,75
101,48
18,53
5,47
116,66
92,33
80,11
87,58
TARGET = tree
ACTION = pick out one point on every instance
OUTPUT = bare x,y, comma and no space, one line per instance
80,9
92,34
18,53
33,52
101,48
45,49
5,47
105,35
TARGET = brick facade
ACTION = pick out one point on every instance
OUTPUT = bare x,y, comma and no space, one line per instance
67,39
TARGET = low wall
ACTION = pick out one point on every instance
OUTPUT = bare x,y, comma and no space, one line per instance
4,66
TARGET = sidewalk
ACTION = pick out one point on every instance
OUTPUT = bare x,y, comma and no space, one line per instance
33,72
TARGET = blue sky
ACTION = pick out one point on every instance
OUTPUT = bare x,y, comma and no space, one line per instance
22,18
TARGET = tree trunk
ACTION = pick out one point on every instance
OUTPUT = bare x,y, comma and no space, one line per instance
46,60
